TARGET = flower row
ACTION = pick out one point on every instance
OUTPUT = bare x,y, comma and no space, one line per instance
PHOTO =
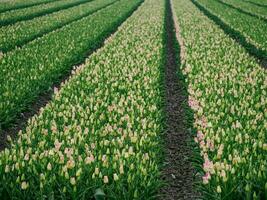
12,16
261,3
228,95
102,128
22,32
248,7
17,4
28,71
252,28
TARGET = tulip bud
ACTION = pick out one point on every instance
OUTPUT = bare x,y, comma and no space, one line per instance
72,181
49,166
115,177
42,176
96,170
7,169
219,190
105,179
24,185
67,175
78,173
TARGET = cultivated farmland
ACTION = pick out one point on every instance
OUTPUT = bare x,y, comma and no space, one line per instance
133,99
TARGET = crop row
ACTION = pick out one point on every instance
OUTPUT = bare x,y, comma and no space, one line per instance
228,96
25,31
13,16
17,4
262,3
102,128
252,28
247,7
28,71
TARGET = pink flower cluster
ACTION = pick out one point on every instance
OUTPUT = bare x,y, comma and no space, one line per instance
204,143
208,168
193,103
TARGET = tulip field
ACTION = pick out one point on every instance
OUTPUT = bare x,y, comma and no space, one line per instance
16,4
102,133
228,93
13,16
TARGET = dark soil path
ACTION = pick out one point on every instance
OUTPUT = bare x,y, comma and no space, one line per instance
177,170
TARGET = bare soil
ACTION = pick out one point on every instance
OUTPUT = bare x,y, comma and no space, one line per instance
177,171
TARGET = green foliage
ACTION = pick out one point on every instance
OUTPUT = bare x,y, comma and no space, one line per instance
40,63
25,31
228,93
252,28
17,4
13,16
102,128
261,12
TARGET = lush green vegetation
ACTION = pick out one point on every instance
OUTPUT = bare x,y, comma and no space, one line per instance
252,28
101,135
246,6
10,17
28,71
262,3
16,4
227,92
101,130
25,31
